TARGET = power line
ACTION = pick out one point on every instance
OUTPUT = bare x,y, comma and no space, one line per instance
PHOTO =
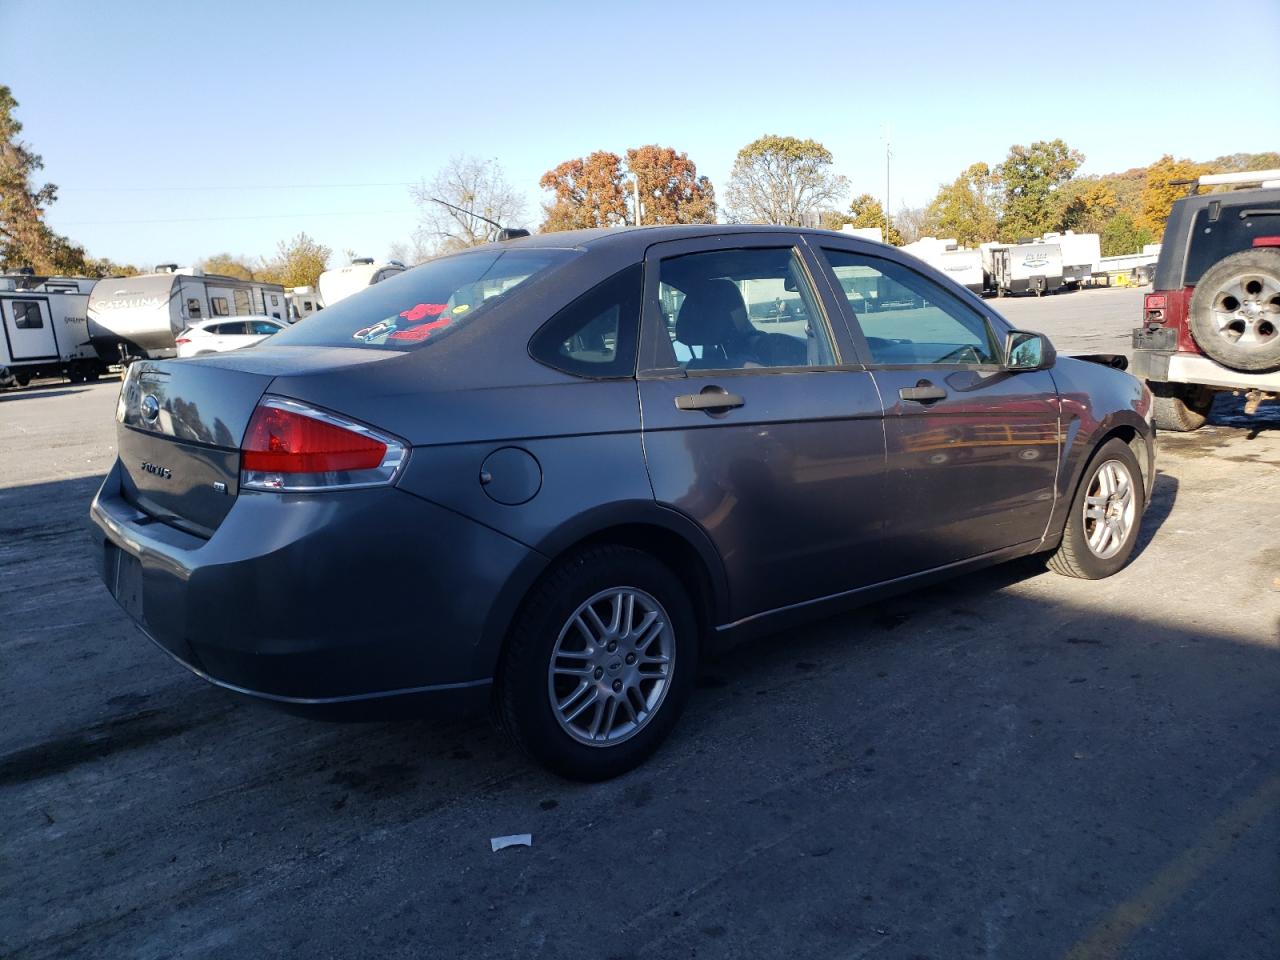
246,186
268,216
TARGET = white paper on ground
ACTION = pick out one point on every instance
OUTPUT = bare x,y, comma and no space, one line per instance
515,840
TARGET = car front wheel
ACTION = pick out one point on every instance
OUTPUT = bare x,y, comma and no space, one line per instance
1102,527
599,663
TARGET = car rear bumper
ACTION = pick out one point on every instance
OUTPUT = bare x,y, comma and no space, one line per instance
321,599
1194,369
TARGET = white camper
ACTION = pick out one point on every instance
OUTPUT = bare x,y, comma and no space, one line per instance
140,316
963,266
303,302
1081,254
1026,268
865,233
46,331
342,282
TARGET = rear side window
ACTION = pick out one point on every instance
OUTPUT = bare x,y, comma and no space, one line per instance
595,336
427,303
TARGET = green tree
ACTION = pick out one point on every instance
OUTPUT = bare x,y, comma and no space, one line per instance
298,263
1166,181
1120,236
968,208
586,192
1086,205
864,211
226,265
670,189
1030,176
782,180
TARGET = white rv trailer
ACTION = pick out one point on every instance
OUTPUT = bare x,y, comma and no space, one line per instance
132,317
303,302
962,265
45,329
1026,268
864,233
342,282
1081,253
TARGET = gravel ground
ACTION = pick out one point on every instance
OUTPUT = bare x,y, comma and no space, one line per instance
1007,765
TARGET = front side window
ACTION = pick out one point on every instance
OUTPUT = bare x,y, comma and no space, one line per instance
262,328
742,309
595,336
428,303
219,305
26,315
906,318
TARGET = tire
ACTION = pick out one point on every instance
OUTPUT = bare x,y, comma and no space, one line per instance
1075,556
1235,311
545,635
22,378
1178,407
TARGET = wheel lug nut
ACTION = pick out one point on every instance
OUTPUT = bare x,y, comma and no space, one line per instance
617,686
613,645
631,658
599,672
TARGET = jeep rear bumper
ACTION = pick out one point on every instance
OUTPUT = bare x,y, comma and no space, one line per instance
1194,369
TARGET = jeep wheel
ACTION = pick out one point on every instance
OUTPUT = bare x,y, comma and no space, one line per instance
1180,407
1235,311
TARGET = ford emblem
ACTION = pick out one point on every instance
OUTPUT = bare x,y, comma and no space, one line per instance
150,408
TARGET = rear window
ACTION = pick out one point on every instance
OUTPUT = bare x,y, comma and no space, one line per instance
424,304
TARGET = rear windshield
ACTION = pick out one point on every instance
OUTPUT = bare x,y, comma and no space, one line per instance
424,304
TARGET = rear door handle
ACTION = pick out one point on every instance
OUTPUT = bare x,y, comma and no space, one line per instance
923,392
711,399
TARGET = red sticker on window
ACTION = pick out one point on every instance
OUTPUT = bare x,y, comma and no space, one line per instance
423,310
415,334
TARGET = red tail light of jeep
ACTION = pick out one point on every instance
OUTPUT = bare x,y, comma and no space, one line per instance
1154,306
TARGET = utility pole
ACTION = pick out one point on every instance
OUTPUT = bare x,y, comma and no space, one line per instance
888,154
635,183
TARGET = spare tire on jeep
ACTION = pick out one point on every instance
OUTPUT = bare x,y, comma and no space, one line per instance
1235,311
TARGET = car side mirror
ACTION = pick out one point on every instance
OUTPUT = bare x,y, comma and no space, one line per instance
1024,351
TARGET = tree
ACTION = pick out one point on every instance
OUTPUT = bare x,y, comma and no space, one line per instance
911,222
480,190
968,208
1030,176
586,192
1121,236
864,211
226,265
670,189
298,263
1086,206
1166,181
782,180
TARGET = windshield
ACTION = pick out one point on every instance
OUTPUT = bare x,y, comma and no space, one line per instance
423,304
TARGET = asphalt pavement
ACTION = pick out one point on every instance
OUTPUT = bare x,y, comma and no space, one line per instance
1011,764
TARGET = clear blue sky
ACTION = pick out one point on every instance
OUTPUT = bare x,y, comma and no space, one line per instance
168,111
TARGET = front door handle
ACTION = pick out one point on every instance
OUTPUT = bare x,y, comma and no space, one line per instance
923,392
710,400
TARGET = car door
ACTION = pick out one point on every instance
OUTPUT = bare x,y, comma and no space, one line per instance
972,448
752,424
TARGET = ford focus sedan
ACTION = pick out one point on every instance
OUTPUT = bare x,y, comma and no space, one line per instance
548,474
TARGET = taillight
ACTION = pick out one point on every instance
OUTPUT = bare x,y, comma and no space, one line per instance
290,446
1154,305
181,340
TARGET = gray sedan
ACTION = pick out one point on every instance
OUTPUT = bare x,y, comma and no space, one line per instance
551,473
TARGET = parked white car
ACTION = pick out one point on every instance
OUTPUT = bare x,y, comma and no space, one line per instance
225,333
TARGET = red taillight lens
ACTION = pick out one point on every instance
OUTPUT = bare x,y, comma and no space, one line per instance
1153,307
181,340
282,441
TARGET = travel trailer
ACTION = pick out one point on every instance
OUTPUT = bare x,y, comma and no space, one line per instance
1026,268
342,282
961,264
139,317
1081,254
45,329
303,302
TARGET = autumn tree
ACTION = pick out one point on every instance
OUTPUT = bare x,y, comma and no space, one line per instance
1166,181
298,262
782,180
968,208
226,265
1086,205
478,192
586,192
670,189
864,211
1030,176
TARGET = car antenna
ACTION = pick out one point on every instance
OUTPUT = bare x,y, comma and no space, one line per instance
504,233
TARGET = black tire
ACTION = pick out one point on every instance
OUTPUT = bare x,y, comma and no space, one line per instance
1256,274
22,378
522,699
1180,407
1074,557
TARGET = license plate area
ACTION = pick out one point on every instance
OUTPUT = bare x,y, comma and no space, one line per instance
123,575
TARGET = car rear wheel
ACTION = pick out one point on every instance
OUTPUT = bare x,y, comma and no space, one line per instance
599,663
1180,407
1106,514
1235,311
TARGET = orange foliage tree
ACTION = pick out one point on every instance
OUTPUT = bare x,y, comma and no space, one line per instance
670,189
586,192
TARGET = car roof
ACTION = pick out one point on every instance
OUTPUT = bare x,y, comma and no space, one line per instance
642,237
207,321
